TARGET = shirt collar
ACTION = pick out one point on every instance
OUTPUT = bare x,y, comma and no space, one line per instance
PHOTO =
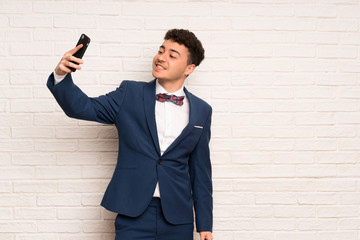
160,89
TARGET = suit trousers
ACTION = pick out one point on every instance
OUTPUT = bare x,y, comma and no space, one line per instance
151,225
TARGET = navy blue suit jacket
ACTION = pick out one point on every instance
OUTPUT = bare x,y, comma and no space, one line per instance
183,170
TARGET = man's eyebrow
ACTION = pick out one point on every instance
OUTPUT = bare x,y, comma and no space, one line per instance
172,50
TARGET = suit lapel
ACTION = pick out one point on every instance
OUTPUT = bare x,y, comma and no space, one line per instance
149,104
189,126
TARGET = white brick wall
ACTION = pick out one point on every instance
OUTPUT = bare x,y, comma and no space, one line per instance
282,77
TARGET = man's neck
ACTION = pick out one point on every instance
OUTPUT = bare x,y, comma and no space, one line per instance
171,86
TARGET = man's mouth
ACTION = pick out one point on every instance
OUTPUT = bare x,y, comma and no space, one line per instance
160,66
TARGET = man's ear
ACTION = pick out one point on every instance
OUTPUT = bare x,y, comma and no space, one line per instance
189,69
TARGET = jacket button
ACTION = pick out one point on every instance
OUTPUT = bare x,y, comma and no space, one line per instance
159,161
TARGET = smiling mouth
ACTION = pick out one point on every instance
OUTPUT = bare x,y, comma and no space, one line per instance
160,66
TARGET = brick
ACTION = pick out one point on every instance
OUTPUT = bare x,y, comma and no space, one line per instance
23,63
251,106
340,212
31,106
295,51
275,224
323,11
59,226
317,225
97,172
56,145
311,65
107,22
258,24
211,24
52,119
293,132
274,145
317,37
75,21
336,52
314,119
318,198
77,132
164,24
338,235
59,200
98,226
75,213
231,198
349,92
168,9
93,8
234,223
337,158
260,132
300,24
336,131
294,157
16,145
333,185
320,144
5,187
294,211
5,214
120,50
349,224
276,198
349,144
52,7
296,235
35,213
15,7
34,132
108,132
34,186
69,159
331,25
91,199
318,171
17,227
4,132
222,185
349,198
28,21
98,145
58,172
294,105
4,21
253,51
349,38
79,186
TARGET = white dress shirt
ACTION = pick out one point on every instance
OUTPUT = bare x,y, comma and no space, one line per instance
170,118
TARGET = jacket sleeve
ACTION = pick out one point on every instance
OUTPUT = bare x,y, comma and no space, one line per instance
76,104
201,182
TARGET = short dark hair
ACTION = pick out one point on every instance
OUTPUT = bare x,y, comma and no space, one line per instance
190,41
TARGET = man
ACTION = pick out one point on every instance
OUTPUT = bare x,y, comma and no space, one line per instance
163,169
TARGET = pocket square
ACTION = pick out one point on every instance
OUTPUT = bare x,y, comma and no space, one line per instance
198,126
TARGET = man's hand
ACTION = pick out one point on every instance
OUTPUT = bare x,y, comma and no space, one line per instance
206,236
62,67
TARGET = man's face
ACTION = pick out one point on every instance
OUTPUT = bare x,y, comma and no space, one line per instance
170,63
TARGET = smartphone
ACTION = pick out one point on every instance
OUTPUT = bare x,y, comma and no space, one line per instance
84,40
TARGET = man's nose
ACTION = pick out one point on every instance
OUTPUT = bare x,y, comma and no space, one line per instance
161,58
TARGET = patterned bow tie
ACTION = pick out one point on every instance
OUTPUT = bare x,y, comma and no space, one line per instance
163,97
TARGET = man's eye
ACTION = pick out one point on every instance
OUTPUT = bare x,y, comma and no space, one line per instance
160,52
172,56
